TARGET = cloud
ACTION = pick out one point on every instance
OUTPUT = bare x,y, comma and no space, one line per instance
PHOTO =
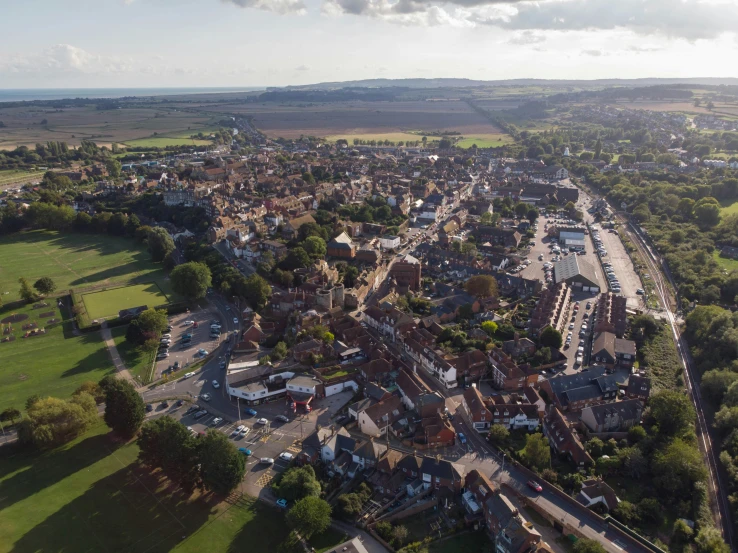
688,19
527,37
595,53
302,68
282,7
64,59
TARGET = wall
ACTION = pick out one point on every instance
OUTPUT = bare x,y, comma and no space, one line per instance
340,387
410,511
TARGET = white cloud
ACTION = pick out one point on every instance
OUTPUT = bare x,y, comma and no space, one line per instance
688,19
64,59
302,68
527,37
282,7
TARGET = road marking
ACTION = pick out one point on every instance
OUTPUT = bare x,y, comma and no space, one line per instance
264,480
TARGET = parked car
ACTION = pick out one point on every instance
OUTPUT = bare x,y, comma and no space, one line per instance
262,421
200,414
189,375
283,418
266,461
250,412
163,355
149,407
202,352
217,421
205,397
282,503
462,438
188,323
216,384
533,485
286,456
246,452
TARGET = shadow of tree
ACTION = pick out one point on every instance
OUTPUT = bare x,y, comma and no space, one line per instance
92,362
263,529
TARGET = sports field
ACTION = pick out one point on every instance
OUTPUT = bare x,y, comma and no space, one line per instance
489,140
107,303
73,261
91,495
52,364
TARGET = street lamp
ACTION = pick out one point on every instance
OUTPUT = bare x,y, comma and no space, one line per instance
503,464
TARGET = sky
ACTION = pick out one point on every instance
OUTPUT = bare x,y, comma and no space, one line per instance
218,43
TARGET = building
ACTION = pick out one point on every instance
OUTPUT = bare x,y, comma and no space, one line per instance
506,374
477,411
342,246
610,314
389,242
577,273
516,416
638,387
574,392
563,439
406,272
375,420
613,352
612,417
388,322
596,492
552,309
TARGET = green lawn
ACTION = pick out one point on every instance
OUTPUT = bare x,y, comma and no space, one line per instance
729,208
725,262
486,140
107,303
472,542
164,141
137,361
91,496
328,540
12,176
54,364
73,261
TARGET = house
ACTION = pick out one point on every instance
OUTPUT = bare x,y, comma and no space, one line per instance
612,417
471,365
516,416
552,309
638,387
278,249
563,439
342,246
353,545
375,420
596,492
302,351
325,444
389,242
406,271
510,238
610,314
510,531
479,489
292,226
611,351
574,392
429,360
387,479
433,472
473,403
389,322
506,374
518,346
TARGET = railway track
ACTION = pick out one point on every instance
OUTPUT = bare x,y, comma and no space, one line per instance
720,507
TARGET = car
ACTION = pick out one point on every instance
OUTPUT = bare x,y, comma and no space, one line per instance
238,429
195,325
149,407
163,355
192,409
286,456
202,352
222,364
191,431
567,344
164,404
244,431
283,418
179,403
205,397
580,350
165,341
216,384
200,414
462,438
244,451
169,328
266,461
217,421
585,316
235,320
540,257
640,291
189,375
571,326
189,323
533,485
589,305
250,412
282,503
262,421
187,336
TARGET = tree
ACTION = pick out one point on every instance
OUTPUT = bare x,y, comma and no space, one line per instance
678,467
586,545
256,291
113,166
160,244
117,224
490,327
636,434
92,388
707,212
31,401
598,149
298,482
481,286
521,209
26,292
221,464
399,534
52,421
498,434
716,382
124,408
681,531
642,214
536,452
486,218
315,247
309,516
709,540
148,325
45,285
167,444
532,215
627,513
671,411
296,258
10,414
191,280
550,337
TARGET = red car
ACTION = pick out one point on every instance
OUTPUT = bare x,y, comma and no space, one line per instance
535,486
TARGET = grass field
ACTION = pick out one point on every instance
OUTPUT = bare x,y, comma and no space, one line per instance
486,140
14,176
73,261
54,364
729,208
164,141
725,262
92,496
107,303
137,361
482,140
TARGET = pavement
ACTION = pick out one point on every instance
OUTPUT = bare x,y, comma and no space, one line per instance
120,367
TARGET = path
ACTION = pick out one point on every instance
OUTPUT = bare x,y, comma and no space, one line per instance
120,368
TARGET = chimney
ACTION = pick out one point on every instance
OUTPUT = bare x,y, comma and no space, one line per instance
438,458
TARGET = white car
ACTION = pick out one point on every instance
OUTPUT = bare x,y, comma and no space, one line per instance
205,397
169,336
189,375
266,461
216,384
235,320
286,456
244,431
217,421
262,421
189,323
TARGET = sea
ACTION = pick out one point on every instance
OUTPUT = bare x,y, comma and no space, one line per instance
25,94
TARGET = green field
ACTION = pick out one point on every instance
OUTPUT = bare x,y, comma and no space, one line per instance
91,496
54,364
725,262
14,176
164,141
492,140
137,361
73,261
728,208
107,303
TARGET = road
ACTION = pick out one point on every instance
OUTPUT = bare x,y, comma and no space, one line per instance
710,449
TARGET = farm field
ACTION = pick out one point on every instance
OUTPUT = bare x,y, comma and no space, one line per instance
107,303
88,495
11,177
137,361
53,364
491,140
353,119
23,125
72,261
163,142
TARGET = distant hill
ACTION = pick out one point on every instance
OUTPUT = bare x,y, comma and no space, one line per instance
466,83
